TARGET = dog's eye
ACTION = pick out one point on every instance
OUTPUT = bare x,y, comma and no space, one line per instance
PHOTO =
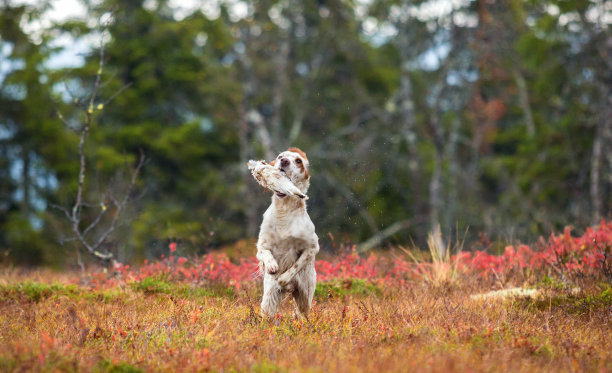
298,161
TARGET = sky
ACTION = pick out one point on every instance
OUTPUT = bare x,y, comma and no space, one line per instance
72,51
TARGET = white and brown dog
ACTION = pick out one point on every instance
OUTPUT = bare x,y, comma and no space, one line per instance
287,242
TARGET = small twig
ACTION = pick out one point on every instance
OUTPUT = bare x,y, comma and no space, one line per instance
64,240
125,86
96,221
62,209
120,205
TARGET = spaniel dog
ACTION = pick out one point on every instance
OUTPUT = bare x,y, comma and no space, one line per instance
287,242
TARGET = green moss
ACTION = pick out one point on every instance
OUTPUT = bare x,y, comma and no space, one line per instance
36,292
108,367
549,282
153,285
571,303
346,287
267,367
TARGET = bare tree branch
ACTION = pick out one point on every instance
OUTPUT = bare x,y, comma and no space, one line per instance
92,245
111,98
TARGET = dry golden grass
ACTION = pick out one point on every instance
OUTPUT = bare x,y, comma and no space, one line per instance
417,328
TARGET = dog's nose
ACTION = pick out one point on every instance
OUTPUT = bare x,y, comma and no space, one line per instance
284,162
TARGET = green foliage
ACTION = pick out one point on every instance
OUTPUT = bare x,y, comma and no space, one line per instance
346,288
25,244
151,285
107,366
35,291
267,367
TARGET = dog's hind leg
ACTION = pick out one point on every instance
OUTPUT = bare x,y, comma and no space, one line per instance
271,296
305,288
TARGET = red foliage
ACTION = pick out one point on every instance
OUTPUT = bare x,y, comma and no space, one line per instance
584,254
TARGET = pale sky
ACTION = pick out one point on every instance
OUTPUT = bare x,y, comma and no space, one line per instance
71,54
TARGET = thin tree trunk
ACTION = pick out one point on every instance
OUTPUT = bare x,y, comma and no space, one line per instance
250,206
603,132
279,91
254,118
453,173
406,106
247,116
25,204
595,176
524,101
434,192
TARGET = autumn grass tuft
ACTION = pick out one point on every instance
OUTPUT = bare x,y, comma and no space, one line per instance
442,268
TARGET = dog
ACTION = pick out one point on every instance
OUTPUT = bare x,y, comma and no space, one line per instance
287,242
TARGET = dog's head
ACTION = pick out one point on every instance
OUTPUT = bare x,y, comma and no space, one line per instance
294,163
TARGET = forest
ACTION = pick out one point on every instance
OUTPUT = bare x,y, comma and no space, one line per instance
127,126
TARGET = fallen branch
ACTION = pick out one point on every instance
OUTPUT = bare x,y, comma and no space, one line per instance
379,237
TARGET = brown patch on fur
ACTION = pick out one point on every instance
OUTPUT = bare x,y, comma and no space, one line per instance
273,163
302,166
299,151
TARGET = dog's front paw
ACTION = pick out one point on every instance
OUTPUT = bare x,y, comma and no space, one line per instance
272,267
283,281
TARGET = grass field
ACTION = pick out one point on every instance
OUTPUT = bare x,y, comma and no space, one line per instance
162,317
356,326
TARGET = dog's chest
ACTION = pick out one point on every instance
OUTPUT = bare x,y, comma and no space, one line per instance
287,251
286,227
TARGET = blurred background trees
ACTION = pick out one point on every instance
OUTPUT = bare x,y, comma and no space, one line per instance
492,115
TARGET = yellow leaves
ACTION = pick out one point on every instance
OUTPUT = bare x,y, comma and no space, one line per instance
91,108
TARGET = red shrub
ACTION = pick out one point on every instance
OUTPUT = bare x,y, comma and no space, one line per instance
584,254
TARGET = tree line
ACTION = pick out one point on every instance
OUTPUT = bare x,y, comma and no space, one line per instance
493,117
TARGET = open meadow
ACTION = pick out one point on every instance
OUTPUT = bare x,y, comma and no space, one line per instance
395,312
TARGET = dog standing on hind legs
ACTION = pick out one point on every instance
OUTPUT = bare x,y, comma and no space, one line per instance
287,242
